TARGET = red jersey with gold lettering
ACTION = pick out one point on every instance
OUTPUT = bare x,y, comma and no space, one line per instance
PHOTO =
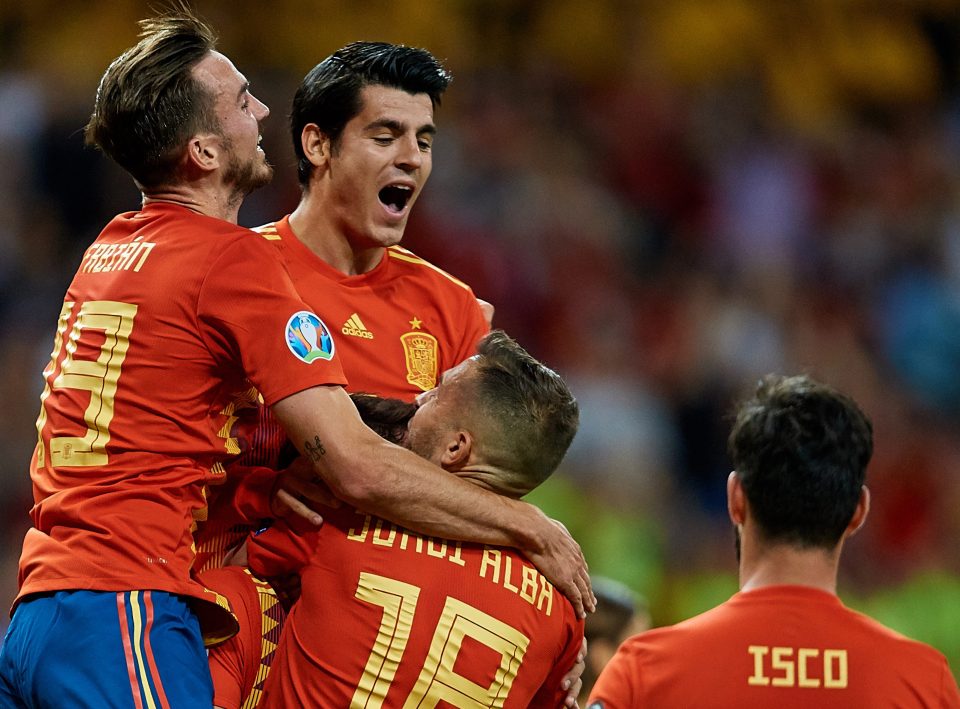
388,618
778,646
169,316
398,328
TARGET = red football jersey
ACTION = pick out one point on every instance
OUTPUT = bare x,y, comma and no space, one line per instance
779,646
240,665
398,328
390,618
170,315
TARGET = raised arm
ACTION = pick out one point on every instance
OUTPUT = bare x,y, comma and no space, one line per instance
364,470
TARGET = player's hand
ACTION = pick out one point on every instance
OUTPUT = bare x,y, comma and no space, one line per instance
558,557
298,493
573,680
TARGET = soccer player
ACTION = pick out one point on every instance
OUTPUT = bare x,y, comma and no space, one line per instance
363,125
800,451
391,618
173,309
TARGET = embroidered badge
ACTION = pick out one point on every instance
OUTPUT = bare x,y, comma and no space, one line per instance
420,350
308,338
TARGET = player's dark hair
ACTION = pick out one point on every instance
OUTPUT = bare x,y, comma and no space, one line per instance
329,94
530,415
387,417
149,103
801,451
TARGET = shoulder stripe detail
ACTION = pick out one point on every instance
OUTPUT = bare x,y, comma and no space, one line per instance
268,232
404,255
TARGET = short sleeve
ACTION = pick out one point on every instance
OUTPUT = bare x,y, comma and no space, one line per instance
616,687
474,329
249,311
279,550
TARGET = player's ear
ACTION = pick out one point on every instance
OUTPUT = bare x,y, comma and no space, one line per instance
316,145
736,499
457,450
860,512
204,152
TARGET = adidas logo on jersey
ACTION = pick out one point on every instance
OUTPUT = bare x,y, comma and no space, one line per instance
354,326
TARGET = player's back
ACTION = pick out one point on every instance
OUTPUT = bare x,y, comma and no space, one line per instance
160,326
779,646
389,618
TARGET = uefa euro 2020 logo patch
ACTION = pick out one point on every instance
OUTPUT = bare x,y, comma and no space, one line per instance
308,338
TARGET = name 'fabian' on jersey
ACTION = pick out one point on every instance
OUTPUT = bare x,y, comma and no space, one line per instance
105,258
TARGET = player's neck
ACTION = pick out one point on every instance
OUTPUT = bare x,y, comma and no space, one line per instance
779,565
312,226
490,478
221,203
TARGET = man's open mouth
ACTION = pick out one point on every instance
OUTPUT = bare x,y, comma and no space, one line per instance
395,197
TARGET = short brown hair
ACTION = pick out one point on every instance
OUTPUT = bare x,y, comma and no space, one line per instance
528,414
149,103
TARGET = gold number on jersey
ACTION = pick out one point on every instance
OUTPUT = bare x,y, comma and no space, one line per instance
48,370
113,322
399,602
438,681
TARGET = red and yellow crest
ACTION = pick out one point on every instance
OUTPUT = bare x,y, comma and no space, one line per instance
420,350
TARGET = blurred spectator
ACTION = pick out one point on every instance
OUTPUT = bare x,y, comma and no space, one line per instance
620,613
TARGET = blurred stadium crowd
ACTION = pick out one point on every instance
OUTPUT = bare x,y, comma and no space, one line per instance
663,201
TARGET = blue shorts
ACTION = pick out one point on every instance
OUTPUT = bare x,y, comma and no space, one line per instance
104,650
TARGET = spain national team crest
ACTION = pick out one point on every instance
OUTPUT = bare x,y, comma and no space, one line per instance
308,338
420,350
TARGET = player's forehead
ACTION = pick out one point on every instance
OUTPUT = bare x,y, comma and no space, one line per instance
382,104
457,375
219,75
452,380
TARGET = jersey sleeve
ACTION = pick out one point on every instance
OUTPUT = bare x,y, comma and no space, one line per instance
617,687
234,509
249,309
280,550
248,494
551,694
474,328
950,696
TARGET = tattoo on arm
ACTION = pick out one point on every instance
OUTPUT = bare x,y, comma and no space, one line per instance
314,449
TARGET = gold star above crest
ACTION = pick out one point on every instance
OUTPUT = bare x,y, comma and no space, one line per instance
415,324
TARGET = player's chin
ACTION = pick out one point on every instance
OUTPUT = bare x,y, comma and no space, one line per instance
261,177
392,239
389,234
